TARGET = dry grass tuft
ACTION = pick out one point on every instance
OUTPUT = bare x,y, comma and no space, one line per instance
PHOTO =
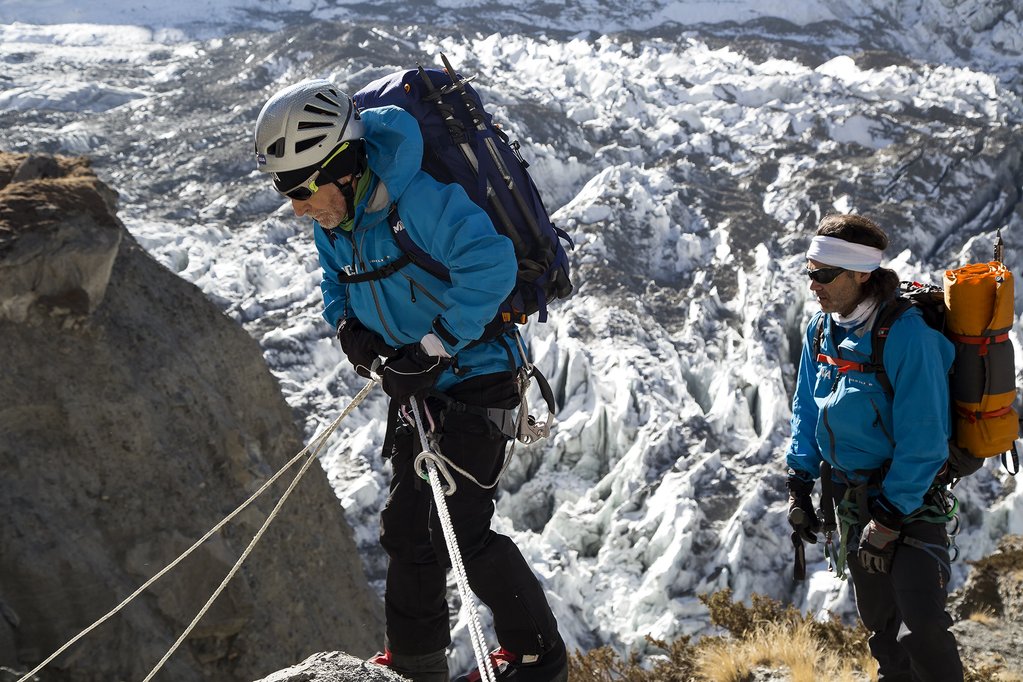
763,634
796,648
984,615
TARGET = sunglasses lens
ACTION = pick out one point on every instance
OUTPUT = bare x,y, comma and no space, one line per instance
299,193
824,275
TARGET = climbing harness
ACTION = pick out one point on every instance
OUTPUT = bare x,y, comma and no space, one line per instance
523,428
428,459
316,446
940,507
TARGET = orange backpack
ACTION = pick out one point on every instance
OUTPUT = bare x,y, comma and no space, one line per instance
979,303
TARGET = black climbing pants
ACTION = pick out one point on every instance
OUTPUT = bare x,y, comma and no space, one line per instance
415,598
905,609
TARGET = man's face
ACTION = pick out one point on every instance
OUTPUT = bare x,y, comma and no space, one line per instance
842,294
327,205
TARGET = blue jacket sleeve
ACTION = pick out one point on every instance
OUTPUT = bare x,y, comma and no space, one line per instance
917,359
804,455
459,234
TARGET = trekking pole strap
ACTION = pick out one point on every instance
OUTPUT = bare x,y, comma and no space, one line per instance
799,558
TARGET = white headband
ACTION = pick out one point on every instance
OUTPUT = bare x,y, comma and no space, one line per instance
842,254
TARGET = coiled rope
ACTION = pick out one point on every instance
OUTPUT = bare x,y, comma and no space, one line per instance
430,459
316,446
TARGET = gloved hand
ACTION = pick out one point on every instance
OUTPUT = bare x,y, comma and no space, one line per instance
362,346
411,371
879,538
802,516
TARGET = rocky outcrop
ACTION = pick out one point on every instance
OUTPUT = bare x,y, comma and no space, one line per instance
988,611
58,236
133,417
334,667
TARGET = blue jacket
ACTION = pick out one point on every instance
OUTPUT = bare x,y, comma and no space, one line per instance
849,420
445,223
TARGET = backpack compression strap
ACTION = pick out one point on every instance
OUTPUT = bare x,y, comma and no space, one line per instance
982,341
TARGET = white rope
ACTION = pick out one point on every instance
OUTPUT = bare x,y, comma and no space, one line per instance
479,641
318,442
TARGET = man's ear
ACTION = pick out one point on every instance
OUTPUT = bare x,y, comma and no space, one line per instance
861,277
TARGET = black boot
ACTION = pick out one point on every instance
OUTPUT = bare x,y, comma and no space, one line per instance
432,667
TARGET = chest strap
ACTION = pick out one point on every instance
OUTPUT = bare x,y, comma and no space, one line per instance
848,365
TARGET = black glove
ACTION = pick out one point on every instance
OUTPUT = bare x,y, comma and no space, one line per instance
880,536
802,516
362,346
411,371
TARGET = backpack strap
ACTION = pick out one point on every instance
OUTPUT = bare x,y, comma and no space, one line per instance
890,312
413,251
982,341
410,253
841,363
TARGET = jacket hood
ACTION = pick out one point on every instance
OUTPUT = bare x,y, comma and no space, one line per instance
394,147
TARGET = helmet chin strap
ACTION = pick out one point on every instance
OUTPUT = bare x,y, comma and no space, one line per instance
348,192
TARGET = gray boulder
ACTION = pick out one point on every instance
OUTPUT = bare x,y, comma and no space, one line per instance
334,666
134,416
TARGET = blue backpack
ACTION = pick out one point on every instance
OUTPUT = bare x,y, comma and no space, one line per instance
462,144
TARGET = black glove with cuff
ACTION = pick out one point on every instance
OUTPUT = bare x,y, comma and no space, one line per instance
880,536
412,371
362,346
802,516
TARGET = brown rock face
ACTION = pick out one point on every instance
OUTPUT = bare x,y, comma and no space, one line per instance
58,236
134,416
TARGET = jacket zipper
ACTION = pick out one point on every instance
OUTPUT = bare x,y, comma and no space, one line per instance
356,257
413,285
824,417
879,423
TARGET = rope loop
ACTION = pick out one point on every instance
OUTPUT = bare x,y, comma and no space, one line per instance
422,462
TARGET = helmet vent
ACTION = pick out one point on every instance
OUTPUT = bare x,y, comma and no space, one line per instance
309,125
323,98
277,148
303,145
317,110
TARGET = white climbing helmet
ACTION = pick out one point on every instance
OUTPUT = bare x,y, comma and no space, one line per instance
303,123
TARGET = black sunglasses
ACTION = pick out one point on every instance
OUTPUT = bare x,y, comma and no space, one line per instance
824,275
303,183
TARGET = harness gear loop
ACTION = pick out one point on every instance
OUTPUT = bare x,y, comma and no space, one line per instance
457,566
316,445
529,429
